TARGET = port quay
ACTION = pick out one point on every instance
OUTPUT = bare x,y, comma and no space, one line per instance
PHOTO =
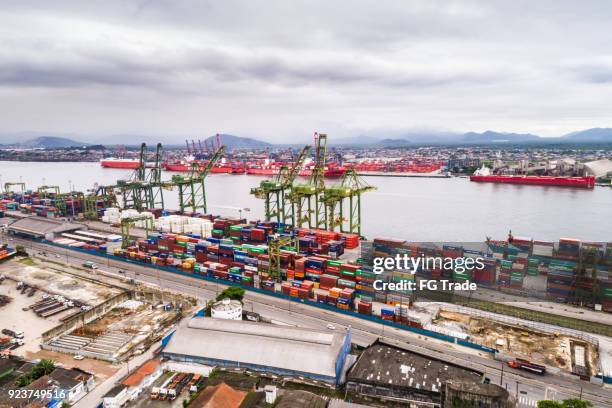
305,206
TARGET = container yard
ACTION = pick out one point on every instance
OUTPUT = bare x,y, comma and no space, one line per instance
308,248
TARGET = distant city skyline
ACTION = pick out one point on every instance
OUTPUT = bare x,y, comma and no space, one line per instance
278,71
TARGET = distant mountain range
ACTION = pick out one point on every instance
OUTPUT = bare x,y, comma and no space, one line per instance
237,142
594,135
46,142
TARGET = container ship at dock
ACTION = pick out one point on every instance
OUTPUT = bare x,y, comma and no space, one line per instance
483,175
265,168
118,163
332,170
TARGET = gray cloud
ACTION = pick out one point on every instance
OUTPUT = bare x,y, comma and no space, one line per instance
278,69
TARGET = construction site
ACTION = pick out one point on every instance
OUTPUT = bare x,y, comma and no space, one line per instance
68,309
551,349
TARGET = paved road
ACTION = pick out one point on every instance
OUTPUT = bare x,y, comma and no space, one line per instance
526,385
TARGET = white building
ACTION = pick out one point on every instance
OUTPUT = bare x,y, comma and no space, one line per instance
227,309
116,397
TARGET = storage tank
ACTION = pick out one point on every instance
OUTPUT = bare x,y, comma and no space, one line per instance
228,309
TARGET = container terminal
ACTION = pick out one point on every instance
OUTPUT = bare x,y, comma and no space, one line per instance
309,249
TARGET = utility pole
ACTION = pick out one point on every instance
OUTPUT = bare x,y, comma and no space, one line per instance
501,379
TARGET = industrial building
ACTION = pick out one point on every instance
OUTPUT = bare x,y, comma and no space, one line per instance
598,168
290,351
228,309
39,227
389,372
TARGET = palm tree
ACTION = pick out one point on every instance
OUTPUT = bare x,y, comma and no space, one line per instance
46,366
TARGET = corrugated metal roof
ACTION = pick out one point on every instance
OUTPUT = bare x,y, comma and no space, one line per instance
41,226
288,348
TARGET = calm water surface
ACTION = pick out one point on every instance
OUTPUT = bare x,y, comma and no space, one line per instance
409,208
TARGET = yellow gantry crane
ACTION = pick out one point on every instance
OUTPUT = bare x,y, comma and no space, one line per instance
128,222
276,191
275,246
44,190
9,184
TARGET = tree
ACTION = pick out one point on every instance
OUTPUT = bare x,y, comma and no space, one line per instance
21,251
568,403
549,404
576,403
46,366
233,292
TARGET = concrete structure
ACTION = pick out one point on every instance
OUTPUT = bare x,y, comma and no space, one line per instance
227,309
116,397
39,227
264,347
301,399
389,372
461,393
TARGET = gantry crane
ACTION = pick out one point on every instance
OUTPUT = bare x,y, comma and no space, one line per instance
348,192
307,199
275,245
103,197
142,190
192,191
276,191
153,190
9,184
126,224
61,202
44,190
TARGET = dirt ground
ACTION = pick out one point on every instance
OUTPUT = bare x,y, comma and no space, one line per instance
138,321
14,318
55,280
540,347
101,369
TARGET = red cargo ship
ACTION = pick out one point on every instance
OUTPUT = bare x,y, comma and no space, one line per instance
331,171
116,163
578,182
184,166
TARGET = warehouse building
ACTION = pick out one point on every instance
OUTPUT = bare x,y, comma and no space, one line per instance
390,372
598,168
290,351
39,227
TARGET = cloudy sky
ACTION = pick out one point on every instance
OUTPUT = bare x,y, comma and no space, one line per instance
280,70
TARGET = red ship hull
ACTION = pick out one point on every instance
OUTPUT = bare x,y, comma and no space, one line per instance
119,164
577,182
329,173
181,167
